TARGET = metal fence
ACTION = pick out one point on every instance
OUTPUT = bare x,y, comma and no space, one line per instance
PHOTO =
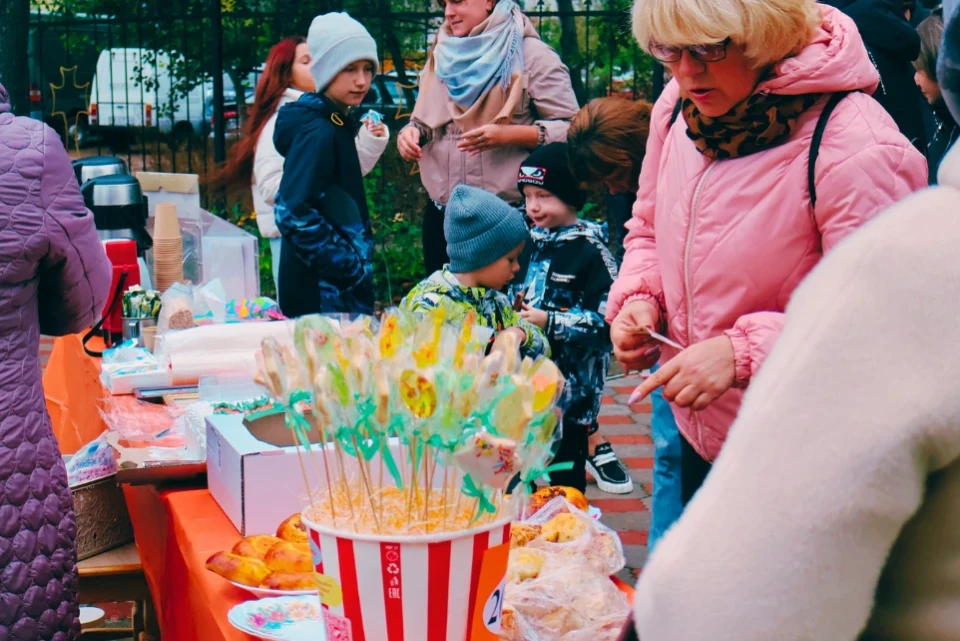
164,83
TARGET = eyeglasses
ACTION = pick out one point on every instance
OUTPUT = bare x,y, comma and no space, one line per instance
704,53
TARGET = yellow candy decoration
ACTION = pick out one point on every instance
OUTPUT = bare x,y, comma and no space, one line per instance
547,382
418,393
390,337
514,412
427,339
466,334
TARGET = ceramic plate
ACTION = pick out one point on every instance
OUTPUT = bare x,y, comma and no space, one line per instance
289,618
262,593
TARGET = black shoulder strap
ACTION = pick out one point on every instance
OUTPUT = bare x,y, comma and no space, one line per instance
815,143
676,112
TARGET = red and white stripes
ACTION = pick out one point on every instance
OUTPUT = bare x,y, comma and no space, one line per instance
410,591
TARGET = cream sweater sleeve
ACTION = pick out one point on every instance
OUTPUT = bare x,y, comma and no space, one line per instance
856,406
370,148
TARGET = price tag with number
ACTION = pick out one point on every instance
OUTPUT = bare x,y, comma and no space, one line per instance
494,608
490,587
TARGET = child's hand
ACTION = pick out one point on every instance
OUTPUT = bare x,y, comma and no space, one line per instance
378,129
533,315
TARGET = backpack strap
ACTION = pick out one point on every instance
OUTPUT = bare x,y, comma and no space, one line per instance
676,112
815,142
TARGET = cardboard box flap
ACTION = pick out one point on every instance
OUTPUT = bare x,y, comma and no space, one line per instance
172,183
273,430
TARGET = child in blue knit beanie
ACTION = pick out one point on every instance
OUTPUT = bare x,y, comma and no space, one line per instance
484,239
326,257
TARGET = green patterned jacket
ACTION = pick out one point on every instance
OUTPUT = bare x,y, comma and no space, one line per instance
493,308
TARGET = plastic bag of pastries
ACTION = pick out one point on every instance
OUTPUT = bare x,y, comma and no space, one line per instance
567,596
567,531
544,495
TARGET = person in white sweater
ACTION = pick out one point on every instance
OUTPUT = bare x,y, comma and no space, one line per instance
833,511
286,77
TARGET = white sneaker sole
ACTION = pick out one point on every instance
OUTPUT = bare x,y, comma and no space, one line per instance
606,486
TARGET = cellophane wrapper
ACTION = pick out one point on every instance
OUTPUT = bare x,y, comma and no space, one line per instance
599,545
572,598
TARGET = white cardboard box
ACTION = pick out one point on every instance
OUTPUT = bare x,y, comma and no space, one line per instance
257,484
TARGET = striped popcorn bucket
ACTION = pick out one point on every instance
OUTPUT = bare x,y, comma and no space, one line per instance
436,587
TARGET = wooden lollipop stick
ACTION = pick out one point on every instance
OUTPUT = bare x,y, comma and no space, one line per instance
426,481
446,469
326,472
346,484
366,482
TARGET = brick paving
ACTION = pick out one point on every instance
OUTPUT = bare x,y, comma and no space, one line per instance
628,429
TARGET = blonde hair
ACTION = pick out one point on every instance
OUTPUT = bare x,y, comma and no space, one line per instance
767,30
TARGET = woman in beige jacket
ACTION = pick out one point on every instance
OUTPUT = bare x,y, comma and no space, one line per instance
833,511
490,93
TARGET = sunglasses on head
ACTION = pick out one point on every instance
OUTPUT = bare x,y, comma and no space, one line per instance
704,53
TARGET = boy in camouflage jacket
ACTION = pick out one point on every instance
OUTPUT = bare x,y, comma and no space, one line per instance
484,239
565,293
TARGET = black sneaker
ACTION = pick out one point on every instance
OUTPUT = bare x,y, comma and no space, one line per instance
611,475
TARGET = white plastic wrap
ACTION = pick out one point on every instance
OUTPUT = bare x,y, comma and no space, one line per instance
566,598
217,349
566,531
558,580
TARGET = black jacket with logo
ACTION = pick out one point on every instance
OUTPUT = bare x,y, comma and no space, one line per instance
569,277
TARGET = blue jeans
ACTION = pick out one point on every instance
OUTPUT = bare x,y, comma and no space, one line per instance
667,503
275,258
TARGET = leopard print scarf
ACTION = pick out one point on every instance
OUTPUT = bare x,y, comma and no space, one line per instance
757,123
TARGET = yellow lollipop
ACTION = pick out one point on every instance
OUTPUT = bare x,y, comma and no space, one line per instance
514,412
466,334
381,392
547,382
390,337
418,393
427,339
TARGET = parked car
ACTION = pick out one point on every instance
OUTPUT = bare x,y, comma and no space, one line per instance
136,89
387,97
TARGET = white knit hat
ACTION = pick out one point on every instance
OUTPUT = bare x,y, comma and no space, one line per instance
336,41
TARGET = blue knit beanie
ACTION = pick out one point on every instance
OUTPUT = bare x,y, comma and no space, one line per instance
480,229
336,41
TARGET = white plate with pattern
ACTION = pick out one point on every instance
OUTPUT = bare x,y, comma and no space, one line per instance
289,618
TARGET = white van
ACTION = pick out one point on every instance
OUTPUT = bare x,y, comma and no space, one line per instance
133,88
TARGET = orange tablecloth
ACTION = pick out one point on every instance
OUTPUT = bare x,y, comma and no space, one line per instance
176,531
71,385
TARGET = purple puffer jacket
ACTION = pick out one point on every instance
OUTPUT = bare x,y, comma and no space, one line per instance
54,278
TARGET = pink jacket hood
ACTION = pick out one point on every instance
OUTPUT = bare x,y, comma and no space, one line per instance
834,60
719,246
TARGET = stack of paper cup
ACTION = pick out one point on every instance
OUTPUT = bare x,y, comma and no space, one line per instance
167,247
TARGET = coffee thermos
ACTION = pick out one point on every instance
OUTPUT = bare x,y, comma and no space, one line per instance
120,214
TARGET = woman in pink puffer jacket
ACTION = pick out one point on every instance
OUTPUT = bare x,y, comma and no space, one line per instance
723,229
